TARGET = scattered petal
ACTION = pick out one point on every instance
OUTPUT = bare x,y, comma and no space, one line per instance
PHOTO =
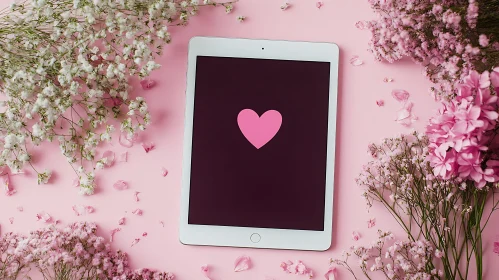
121,221
242,263
120,185
11,220
123,157
380,103
108,157
285,6
405,116
496,247
164,172
76,182
388,80
127,141
147,83
144,234
400,95
360,25
355,235
162,223
205,269
6,185
319,4
301,268
135,241
137,212
89,209
44,217
20,209
331,274
241,18
356,61
148,146
371,223
78,209
136,195
113,232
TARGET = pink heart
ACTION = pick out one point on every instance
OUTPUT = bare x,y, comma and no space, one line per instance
259,130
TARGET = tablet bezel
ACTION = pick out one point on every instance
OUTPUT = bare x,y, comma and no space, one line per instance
240,236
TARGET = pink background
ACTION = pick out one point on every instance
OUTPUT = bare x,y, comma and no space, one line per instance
360,122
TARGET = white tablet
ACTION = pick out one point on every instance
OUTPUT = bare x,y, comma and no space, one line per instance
259,148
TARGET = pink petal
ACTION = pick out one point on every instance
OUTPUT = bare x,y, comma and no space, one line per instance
121,221
144,234
319,4
205,269
403,114
355,235
89,209
137,212
388,80
371,223
20,209
496,247
330,274
135,241
126,141
162,223
136,194
113,232
11,220
301,268
164,172
148,146
360,25
285,6
78,209
356,61
242,263
76,182
120,185
123,157
44,217
6,185
109,156
400,95
147,83
380,103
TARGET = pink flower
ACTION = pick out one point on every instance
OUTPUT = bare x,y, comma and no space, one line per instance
400,95
483,40
331,274
439,254
147,83
442,161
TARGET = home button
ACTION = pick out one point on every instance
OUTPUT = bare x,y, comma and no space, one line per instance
255,238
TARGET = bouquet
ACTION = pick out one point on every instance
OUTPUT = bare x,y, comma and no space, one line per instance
65,68
72,252
440,186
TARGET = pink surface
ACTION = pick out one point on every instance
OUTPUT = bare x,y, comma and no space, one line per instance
259,130
360,121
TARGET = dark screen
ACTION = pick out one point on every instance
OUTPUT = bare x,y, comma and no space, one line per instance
280,185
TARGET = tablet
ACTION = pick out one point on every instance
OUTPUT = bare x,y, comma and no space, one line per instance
259,146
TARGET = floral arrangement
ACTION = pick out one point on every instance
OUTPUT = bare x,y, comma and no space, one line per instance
449,37
437,184
72,252
65,69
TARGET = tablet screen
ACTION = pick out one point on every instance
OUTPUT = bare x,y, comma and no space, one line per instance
259,143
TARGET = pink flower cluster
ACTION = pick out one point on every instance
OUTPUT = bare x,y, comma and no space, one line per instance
71,252
297,267
400,260
462,135
440,34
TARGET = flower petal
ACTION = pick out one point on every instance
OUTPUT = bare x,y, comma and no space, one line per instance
76,182
162,223
400,95
388,80
89,209
109,158
147,83
6,185
319,4
330,274
360,25
380,102
144,234
355,235
113,232
285,6
120,185
136,195
371,223
127,141
137,212
123,157
148,146
242,263
205,270
78,210
356,61
135,241
44,217
20,209
121,221
11,220
164,172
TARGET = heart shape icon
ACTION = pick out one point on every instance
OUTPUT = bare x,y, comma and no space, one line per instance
259,130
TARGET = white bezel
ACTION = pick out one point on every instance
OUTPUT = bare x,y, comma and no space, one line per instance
240,236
